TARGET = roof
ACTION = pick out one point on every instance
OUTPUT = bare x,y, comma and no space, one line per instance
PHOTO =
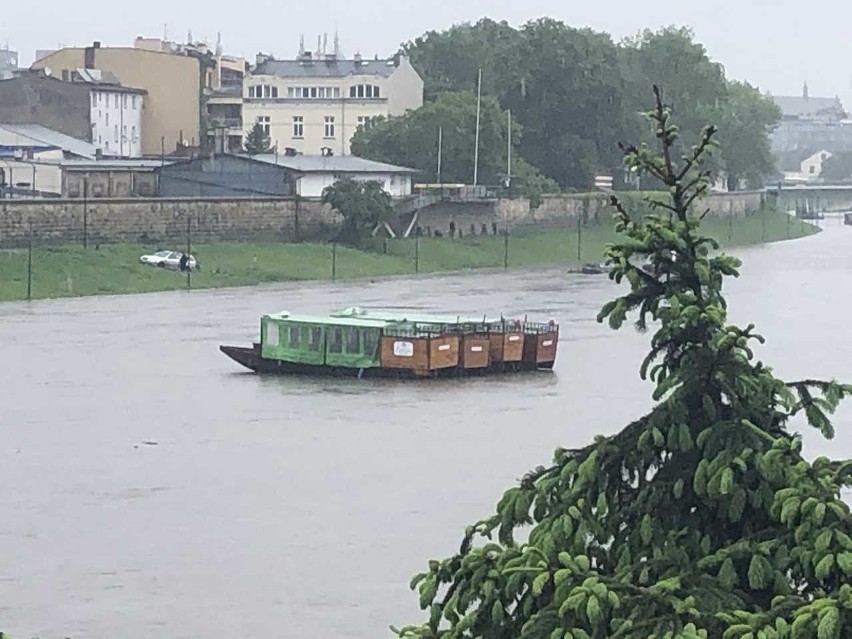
330,321
325,69
408,316
115,164
798,106
327,164
37,135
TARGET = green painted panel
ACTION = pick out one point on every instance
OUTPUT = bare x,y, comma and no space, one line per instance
292,342
352,347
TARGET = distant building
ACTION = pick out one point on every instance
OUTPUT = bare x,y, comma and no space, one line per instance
810,124
315,103
31,157
804,165
221,89
8,63
276,176
87,104
172,104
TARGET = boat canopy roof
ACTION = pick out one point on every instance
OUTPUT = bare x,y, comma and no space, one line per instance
414,317
320,320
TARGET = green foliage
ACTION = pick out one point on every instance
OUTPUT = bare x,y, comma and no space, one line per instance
257,141
363,204
700,519
412,140
837,168
576,93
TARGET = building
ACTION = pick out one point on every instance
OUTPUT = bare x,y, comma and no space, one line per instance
116,113
276,176
31,157
810,123
315,103
171,115
804,165
8,63
113,178
221,89
87,104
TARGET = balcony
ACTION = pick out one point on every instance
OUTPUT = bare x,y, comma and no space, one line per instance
228,123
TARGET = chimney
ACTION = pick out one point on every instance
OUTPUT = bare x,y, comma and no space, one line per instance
358,61
89,55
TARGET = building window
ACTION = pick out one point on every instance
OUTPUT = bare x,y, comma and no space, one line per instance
124,101
364,91
298,126
313,93
116,100
813,169
364,121
263,121
133,102
116,133
263,91
133,133
107,119
329,126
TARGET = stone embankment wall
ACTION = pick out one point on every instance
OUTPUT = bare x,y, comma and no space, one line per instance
160,220
164,220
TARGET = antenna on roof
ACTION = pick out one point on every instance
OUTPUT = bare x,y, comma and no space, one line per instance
189,36
302,45
336,43
165,32
218,43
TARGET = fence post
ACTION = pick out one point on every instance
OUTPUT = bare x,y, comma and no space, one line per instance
416,254
188,250
30,264
333,260
579,238
505,249
85,212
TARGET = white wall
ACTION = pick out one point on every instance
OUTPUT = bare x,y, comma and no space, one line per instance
312,184
45,167
117,122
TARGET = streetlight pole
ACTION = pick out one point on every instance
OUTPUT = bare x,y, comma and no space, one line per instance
476,147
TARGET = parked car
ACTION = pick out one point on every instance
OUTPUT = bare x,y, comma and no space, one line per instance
168,259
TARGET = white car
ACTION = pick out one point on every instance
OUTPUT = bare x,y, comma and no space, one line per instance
168,259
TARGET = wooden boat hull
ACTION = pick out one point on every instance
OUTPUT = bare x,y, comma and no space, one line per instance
251,359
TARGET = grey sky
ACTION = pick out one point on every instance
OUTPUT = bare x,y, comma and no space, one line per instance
775,44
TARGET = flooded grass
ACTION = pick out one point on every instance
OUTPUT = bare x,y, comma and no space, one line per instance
65,271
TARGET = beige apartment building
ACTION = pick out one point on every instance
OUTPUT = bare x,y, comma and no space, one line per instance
314,105
171,110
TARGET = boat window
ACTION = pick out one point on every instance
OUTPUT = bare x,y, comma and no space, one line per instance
371,341
271,334
315,338
293,342
335,343
352,341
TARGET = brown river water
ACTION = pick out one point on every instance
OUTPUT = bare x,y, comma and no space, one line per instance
147,485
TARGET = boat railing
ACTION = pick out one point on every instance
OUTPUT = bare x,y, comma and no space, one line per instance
537,328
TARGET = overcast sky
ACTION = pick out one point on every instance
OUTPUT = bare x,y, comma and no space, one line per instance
774,44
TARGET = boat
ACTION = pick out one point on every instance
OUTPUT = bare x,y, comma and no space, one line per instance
358,343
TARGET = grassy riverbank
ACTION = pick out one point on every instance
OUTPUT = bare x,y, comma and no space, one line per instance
64,271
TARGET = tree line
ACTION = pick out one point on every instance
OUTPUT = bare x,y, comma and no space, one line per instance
573,95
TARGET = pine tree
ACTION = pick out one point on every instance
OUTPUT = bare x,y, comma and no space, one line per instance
257,141
701,519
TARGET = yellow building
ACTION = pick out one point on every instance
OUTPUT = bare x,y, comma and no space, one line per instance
313,105
171,111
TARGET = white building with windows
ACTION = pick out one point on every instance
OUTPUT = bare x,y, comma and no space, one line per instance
314,105
116,114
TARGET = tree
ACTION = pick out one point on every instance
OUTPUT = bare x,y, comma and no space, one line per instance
257,141
363,205
746,119
412,140
702,518
837,168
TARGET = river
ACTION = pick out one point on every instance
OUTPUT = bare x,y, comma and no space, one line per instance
147,485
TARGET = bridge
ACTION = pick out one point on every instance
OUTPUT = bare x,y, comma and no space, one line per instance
822,198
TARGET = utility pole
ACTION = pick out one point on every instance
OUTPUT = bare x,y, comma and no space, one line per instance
476,147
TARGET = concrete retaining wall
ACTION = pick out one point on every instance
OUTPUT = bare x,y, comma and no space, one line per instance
164,220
